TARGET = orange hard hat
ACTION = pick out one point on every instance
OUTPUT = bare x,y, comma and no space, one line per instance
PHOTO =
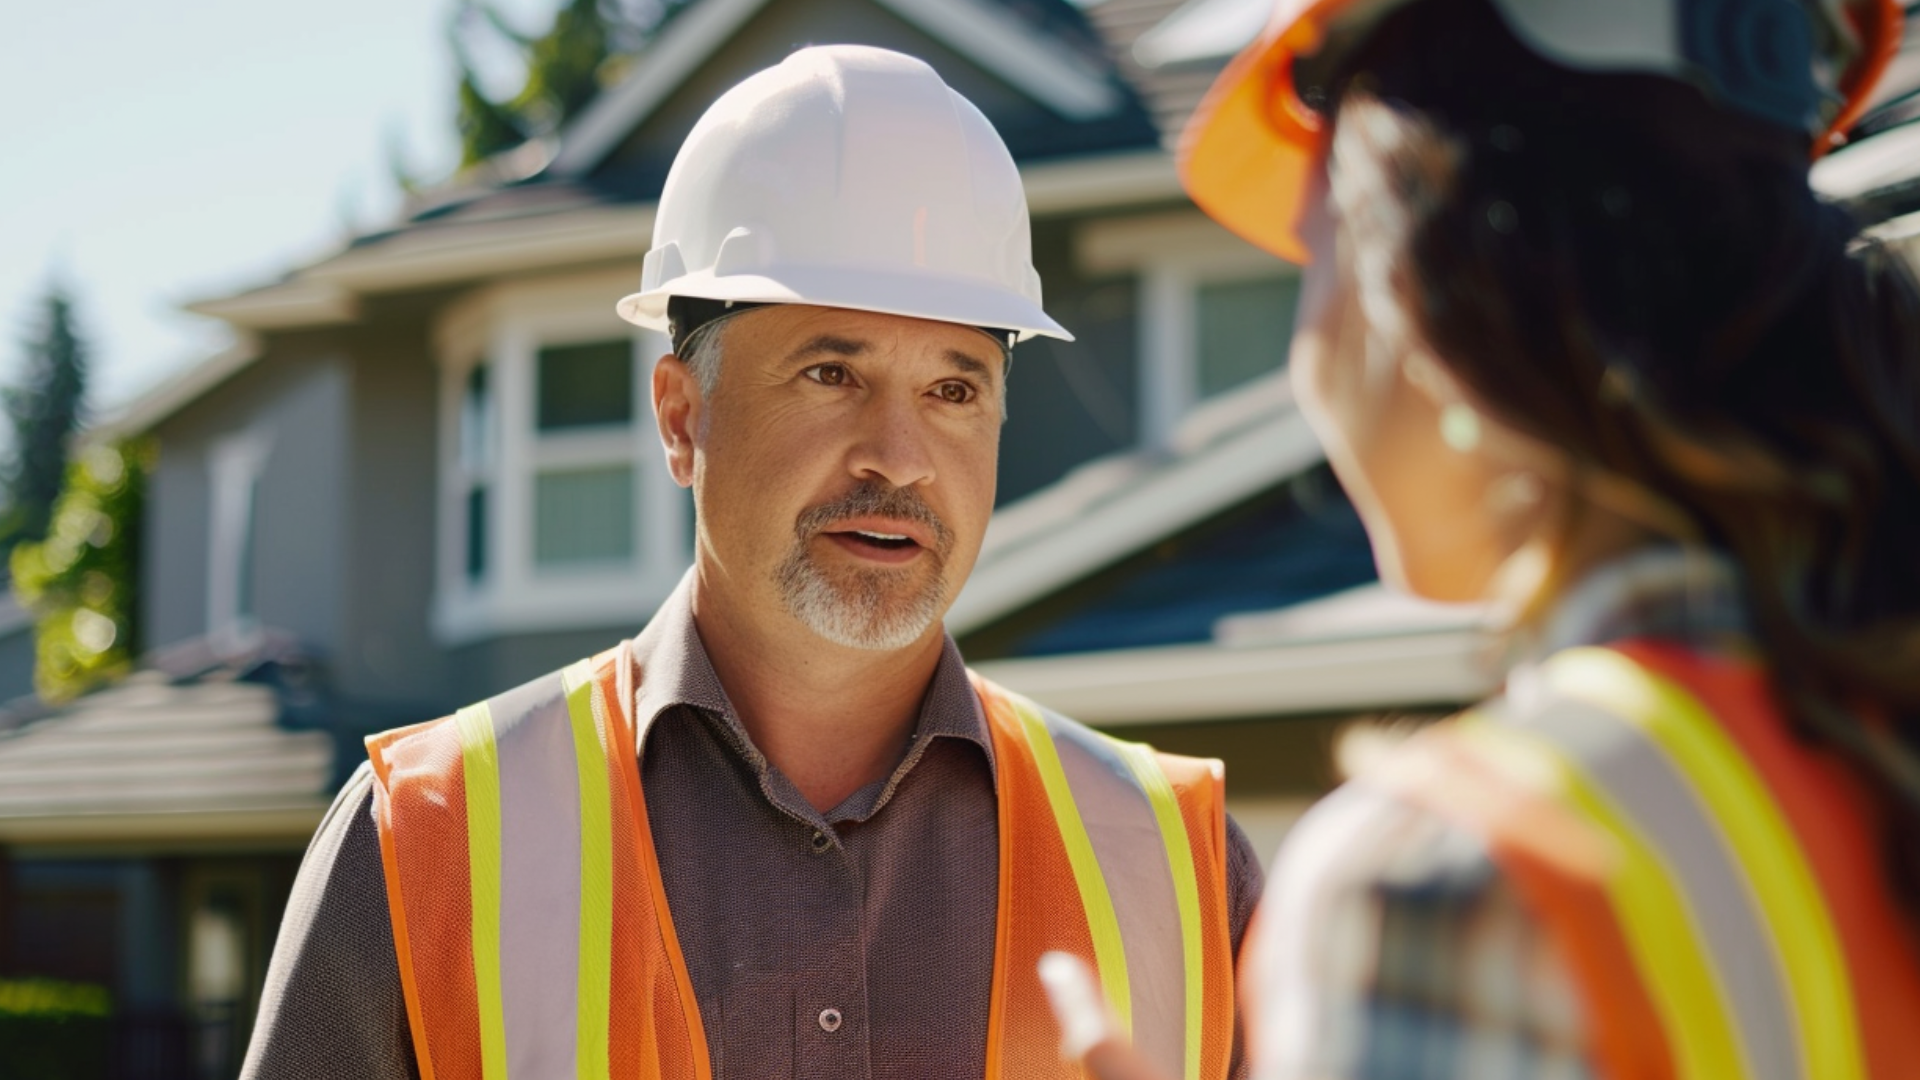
1249,151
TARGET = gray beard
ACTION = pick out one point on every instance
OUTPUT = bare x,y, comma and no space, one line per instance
860,609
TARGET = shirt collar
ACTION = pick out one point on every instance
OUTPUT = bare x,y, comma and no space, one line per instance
1667,591
672,669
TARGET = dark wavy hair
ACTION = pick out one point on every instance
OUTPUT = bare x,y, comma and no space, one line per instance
1623,270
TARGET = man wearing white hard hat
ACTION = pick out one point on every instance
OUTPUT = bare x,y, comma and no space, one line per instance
840,853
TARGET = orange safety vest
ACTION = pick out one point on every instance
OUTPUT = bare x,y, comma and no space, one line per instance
534,935
1712,882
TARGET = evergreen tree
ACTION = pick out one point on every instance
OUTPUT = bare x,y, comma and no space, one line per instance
43,412
565,68
485,128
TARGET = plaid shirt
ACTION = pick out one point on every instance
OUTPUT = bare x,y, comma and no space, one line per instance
1390,946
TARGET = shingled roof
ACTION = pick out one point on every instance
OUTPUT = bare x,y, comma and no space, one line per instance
160,759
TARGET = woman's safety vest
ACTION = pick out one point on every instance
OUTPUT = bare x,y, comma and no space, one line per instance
535,939
1713,883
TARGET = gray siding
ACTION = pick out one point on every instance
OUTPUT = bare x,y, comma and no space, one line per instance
1070,402
388,653
299,404
16,663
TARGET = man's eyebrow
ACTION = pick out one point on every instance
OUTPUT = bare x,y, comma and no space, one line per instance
829,344
969,364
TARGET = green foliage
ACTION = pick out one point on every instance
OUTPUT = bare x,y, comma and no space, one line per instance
563,65
52,1030
486,128
80,581
43,412
583,51
53,999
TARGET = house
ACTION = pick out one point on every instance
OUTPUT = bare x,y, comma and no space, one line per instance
427,474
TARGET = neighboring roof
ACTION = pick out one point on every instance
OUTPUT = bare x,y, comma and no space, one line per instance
1291,544
155,760
1229,451
1364,649
1001,38
175,393
1170,51
1202,31
543,205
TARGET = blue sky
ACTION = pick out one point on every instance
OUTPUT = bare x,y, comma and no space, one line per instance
158,153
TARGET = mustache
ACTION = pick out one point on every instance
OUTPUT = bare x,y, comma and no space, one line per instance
877,500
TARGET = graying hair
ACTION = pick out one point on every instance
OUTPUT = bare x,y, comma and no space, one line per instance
701,354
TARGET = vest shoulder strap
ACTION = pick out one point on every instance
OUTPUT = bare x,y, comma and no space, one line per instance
528,914
1106,846
1643,836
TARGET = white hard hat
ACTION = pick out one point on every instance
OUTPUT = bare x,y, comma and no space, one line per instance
846,177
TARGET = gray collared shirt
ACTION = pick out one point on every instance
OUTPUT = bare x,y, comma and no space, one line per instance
852,943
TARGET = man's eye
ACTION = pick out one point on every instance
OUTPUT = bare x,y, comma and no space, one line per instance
828,374
955,393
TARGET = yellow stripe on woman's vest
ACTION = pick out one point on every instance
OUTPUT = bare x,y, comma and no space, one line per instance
1659,926
593,1003
1109,951
480,769
1186,887
1756,831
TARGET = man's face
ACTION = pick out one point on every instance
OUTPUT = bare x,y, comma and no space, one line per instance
843,468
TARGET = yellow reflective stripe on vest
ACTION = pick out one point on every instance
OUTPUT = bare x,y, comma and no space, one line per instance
1654,915
1186,888
593,994
1109,951
480,769
1757,832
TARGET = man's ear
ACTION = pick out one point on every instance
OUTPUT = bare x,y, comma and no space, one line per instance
676,411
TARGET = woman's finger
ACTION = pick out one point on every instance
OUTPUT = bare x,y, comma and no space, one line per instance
1087,1031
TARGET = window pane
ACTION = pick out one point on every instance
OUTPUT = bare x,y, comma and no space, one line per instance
476,421
583,516
586,385
1244,329
477,533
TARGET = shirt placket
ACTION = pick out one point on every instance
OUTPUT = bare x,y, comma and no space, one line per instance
831,1017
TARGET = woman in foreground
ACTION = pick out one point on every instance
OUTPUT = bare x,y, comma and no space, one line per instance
1579,340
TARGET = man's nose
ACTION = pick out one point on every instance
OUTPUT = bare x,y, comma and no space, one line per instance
891,444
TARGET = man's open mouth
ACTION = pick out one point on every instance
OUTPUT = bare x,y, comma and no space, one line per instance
883,541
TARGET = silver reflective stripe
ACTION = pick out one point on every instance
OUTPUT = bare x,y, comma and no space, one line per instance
1133,858
539,878
1651,792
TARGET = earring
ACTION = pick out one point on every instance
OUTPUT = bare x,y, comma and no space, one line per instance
1460,427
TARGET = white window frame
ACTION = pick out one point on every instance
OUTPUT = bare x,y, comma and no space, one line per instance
506,326
1172,254
234,466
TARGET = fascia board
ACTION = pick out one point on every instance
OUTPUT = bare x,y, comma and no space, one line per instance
324,294
1098,181
1192,683
283,306
470,252
1146,509
151,408
688,42
1058,79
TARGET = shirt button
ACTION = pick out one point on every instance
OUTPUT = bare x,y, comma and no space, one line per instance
829,1020
820,843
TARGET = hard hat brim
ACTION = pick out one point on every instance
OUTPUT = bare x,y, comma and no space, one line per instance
964,301
1249,153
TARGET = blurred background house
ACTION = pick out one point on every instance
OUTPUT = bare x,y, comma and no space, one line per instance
429,473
